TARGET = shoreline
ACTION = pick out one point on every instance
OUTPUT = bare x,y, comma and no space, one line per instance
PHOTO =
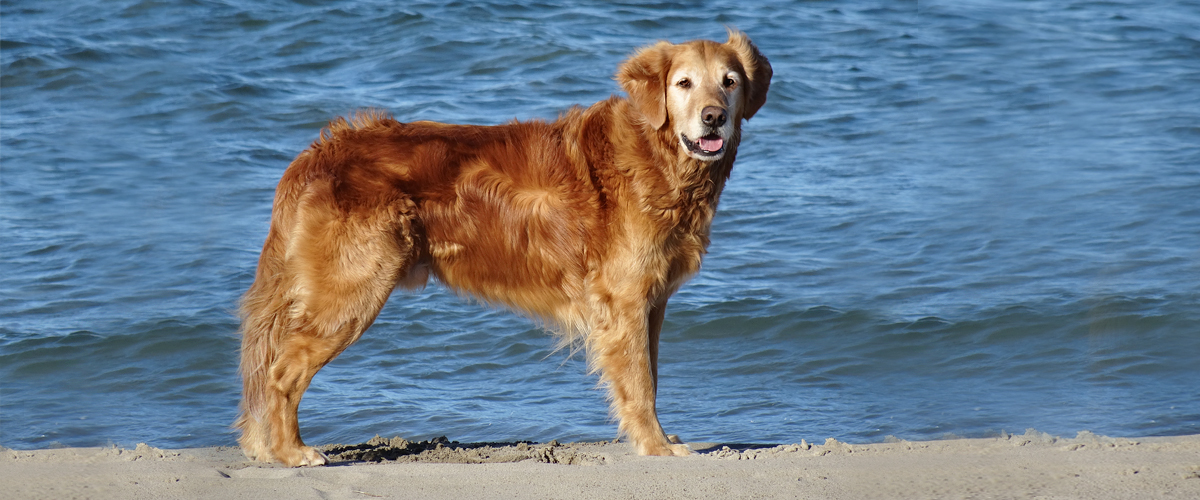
1033,465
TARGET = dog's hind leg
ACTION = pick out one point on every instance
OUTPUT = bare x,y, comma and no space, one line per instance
339,269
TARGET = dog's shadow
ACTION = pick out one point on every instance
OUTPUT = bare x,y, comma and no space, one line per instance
738,447
442,450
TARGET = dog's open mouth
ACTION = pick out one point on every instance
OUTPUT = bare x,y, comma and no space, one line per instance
709,145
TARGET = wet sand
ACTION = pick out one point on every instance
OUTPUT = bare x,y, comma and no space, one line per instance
1030,465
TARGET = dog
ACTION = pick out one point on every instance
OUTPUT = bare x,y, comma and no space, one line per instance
588,223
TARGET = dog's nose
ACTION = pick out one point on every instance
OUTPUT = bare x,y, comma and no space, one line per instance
713,116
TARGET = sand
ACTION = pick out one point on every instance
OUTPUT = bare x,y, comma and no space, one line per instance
1030,465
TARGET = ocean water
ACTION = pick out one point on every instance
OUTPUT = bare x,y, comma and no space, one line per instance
950,219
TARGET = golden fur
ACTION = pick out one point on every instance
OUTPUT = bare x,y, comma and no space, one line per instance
589,223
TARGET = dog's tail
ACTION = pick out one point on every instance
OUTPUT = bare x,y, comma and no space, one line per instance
264,319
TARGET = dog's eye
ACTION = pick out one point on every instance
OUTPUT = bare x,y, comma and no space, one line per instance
685,84
730,83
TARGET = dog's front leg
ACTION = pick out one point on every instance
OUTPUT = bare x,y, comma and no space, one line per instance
620,349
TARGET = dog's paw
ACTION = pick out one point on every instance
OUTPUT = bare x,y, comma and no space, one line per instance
257,455
304,456
314,457
666,450
257,452
680,450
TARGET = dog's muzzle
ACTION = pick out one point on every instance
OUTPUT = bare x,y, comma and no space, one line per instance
712,145
709,146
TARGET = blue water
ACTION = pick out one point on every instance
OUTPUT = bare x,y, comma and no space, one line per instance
951,218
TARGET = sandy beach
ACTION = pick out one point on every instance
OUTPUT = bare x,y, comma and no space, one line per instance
1029,465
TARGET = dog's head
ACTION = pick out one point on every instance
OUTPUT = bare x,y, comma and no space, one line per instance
700,90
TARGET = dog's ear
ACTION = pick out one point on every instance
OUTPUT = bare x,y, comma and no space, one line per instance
644,77
758,71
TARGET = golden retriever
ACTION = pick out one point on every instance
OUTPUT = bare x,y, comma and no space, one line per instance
588,223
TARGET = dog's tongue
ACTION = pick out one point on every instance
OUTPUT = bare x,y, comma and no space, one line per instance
713,144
